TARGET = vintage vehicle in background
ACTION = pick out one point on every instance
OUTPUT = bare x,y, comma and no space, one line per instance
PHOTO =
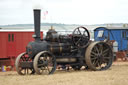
13,42
117,37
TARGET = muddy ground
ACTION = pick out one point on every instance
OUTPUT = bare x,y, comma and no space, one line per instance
116,75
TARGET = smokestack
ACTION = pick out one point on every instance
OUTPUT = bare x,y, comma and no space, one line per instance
37,24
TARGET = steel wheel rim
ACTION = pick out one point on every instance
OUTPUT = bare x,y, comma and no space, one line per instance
44,63
99,56
23,71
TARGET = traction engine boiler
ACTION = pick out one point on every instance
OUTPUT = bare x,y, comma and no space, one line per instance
75,50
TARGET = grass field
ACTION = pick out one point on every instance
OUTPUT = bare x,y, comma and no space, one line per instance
116,75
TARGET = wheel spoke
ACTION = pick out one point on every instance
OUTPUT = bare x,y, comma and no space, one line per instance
104,54
93,53
105,61
84,32
96,62
50,62
107,57
93,58
27,71
78,41
99,65
40,65
79,31
48,69
96,49
28,59
24,71
101,49
105,51
22,59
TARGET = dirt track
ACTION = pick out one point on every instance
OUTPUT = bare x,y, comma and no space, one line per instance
116,75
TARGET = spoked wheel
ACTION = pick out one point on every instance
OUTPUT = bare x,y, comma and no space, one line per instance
81,37
99,56
22,70
44,63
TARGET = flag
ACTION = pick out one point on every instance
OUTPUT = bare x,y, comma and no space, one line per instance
45,13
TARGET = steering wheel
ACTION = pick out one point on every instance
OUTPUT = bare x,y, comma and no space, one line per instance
81,37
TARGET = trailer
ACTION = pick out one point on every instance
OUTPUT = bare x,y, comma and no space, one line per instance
13,42
117,36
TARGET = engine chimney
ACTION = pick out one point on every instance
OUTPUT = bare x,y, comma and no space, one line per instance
37,24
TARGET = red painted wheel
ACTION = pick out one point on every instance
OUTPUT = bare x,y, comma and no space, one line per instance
21,70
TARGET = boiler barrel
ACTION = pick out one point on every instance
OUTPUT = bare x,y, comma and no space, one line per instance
60,48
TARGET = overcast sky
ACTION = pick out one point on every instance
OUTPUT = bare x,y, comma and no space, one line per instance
65,11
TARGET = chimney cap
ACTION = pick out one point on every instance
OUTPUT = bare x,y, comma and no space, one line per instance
36,9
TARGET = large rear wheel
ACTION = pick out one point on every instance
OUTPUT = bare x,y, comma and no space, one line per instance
99,56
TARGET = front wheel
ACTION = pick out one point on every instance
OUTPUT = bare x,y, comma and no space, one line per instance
23,58
44,63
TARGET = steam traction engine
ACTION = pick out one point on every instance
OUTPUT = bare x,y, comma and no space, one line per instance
76,50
